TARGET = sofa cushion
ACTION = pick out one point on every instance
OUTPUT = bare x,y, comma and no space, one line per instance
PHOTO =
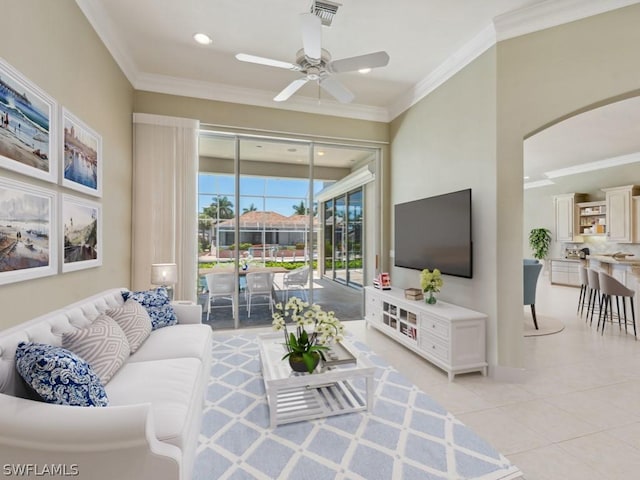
103,344
157,304
59,376
179,341
170,386
134,321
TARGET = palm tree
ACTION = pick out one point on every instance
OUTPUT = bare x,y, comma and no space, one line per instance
250,208
300,209
220,208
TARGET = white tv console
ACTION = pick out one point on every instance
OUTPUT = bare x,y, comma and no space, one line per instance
451,337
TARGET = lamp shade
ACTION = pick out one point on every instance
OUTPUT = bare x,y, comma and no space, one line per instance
164,274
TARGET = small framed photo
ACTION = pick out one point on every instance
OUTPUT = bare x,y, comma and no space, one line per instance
28,233
82,154
28,126
81,233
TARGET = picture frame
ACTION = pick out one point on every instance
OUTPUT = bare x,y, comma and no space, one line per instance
81,164
28,232
80,233
28,126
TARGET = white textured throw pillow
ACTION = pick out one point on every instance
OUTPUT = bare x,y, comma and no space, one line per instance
102,344
134,321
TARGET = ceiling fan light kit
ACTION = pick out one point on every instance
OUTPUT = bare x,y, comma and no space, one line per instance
314,62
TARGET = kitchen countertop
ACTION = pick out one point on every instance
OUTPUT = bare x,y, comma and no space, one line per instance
565,259
610,259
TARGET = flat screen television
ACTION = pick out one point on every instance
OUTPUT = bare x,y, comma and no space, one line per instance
435,232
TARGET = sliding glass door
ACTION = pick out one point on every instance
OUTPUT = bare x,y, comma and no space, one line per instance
258,213
343,231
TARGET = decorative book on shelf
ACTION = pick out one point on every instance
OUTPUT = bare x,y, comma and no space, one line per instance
382,281
413,294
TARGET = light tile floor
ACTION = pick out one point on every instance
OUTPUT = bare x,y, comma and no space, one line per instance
575,416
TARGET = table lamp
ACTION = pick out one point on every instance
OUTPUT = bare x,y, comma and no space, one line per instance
165,275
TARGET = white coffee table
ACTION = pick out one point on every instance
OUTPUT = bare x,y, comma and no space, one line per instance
294,397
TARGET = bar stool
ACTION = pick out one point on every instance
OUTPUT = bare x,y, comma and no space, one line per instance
594,294
584,288
610,287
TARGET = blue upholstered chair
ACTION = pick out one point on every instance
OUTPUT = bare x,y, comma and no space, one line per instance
531,272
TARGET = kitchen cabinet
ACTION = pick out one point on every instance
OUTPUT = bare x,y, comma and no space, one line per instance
565,272
636,219
566,216
619,221
592,218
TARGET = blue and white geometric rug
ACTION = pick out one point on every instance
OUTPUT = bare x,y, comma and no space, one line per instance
406,435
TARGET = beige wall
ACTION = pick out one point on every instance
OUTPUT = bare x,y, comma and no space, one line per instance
445,143
211,112
54,46
469,133
543,77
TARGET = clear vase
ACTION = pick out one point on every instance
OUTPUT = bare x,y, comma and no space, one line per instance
431,299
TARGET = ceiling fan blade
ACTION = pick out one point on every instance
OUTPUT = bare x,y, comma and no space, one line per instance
290,89
311,35
243,57
335,88
370,60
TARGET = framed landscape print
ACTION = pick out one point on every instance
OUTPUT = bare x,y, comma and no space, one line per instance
81,233
28,121
28,238
82,156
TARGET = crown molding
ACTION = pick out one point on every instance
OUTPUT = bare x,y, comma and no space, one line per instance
597,165
551,13
537,184
447,69
247,96
103,26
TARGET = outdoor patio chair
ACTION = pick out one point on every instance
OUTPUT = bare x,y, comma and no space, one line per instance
296,278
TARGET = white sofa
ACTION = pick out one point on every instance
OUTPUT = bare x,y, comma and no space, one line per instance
150,428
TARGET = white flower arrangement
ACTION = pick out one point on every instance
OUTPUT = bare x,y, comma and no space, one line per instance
315,329
431,281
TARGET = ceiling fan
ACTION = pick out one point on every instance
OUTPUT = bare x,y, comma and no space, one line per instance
315,63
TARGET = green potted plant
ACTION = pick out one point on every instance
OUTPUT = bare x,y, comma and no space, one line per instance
540,241
315,330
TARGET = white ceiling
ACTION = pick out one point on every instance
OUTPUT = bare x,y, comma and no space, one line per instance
598,138
428,41
272,151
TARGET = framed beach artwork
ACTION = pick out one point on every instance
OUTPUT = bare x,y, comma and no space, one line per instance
28,238
28,126
82,156
81,233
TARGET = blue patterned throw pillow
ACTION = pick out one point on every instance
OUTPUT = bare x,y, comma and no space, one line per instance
59,376
157,304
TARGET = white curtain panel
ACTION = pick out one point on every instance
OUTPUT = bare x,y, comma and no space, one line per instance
165,213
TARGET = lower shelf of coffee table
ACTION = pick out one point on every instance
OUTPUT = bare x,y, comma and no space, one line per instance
316,401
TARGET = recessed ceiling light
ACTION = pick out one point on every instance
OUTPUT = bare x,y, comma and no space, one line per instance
526,177
320,153
202,38
364,70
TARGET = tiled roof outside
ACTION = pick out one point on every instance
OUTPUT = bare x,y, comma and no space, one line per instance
270,220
